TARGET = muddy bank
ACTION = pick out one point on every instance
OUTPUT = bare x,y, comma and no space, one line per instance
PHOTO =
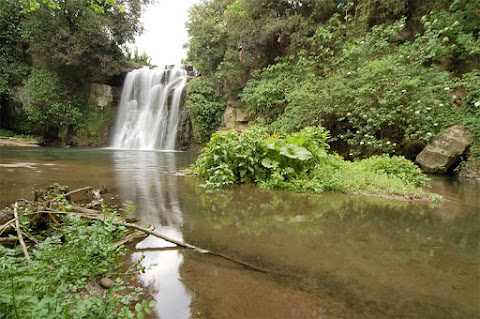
17,142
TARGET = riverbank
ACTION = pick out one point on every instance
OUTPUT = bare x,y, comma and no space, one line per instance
68,265
18,142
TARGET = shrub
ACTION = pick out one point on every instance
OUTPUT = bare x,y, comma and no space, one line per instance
47,105
300,162
205,110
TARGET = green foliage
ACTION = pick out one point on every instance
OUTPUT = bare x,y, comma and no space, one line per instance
378,96
205,110
300,162
13,64
264,93
94,126
396,166
81,40
230,157
209,39
140,59
47,104
377,75
96,5
57,282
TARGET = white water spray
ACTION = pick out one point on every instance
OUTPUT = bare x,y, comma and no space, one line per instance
149,113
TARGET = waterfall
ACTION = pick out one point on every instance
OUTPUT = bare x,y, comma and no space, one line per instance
150,109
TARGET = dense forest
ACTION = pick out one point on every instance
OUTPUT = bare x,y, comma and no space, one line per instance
381,76
50,53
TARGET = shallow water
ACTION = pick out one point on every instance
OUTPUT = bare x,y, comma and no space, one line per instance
327,256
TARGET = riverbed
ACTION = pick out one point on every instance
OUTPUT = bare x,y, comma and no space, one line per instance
327,256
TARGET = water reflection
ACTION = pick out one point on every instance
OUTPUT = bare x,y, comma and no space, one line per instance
379,257
337,255
148,179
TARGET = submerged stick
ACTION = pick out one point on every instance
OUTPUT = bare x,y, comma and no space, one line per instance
194,248
19,234
168,239
93,215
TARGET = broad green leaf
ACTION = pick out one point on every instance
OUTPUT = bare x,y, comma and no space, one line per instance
296,152
269,163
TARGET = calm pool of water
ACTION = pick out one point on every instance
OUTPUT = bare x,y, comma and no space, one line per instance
328,255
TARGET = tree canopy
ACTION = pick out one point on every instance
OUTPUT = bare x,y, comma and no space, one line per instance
77,42
377,74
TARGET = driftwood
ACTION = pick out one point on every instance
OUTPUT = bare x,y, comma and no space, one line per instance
47,208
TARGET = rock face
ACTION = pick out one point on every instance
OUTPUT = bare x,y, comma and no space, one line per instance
101,95
235,117
443,153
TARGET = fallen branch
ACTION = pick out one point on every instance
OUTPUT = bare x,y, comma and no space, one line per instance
158,235
19,234
183,244
7,224
86,188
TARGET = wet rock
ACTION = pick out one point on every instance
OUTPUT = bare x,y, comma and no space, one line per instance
443,153
106,283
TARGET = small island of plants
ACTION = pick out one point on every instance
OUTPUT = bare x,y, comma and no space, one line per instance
301,162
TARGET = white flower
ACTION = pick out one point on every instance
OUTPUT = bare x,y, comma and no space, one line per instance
454,97
394,144
417,112
429,134
447,89
361,143
348,73
349,114
477,104
404,91
435,124
441,104
428,108
358,132
365,116
388,142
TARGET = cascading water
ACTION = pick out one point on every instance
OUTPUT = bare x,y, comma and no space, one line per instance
150,109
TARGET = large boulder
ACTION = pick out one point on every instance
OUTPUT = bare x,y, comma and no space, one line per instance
443,153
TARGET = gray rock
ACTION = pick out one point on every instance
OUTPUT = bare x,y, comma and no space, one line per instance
106,283
443,153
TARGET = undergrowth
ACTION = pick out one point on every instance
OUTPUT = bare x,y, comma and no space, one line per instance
59,280
301,162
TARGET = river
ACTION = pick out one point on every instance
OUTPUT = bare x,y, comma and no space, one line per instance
328,255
